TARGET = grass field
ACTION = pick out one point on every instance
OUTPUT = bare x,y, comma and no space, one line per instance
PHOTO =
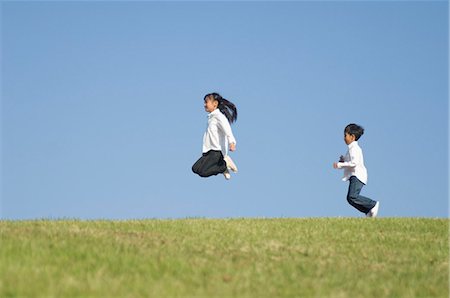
332,257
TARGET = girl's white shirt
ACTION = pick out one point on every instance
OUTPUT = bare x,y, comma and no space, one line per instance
218,134
354,163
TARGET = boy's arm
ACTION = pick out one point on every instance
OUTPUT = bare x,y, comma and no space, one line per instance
346,164
354,160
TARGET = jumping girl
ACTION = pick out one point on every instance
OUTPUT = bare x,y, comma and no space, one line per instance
217,138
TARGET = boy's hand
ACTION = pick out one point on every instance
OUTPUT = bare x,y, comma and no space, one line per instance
335,165
232,147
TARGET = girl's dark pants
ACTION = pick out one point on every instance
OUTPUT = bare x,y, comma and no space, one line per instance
211,163
361,203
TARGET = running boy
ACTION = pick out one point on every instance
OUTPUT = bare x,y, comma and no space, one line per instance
356,172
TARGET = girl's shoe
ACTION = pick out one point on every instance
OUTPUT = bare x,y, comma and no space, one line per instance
230,164
227,174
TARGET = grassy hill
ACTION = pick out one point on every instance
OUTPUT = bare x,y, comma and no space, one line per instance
337,257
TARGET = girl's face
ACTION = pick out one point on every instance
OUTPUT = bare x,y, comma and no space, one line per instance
348,138
210,105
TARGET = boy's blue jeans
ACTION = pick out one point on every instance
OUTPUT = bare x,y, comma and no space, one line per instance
361,203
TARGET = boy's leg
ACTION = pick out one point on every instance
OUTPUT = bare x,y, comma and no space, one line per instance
211,163
361,203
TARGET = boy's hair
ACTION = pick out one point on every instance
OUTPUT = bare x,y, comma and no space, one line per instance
354,129
225,106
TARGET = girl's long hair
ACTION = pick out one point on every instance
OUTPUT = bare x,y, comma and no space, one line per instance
225,106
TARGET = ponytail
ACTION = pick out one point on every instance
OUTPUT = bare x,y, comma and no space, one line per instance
225,106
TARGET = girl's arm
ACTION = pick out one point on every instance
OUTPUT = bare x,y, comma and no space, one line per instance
225,126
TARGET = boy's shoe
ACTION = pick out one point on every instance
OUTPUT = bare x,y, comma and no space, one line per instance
374,211
227,174
230,164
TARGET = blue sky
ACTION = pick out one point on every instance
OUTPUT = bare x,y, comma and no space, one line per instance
102,107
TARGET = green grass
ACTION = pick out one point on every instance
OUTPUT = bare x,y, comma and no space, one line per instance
337,257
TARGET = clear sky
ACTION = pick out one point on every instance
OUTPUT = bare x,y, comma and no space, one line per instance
102,107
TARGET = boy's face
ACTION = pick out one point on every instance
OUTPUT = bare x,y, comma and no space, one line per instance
348,138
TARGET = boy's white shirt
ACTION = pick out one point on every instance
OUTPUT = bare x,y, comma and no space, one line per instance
354,163
218,134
